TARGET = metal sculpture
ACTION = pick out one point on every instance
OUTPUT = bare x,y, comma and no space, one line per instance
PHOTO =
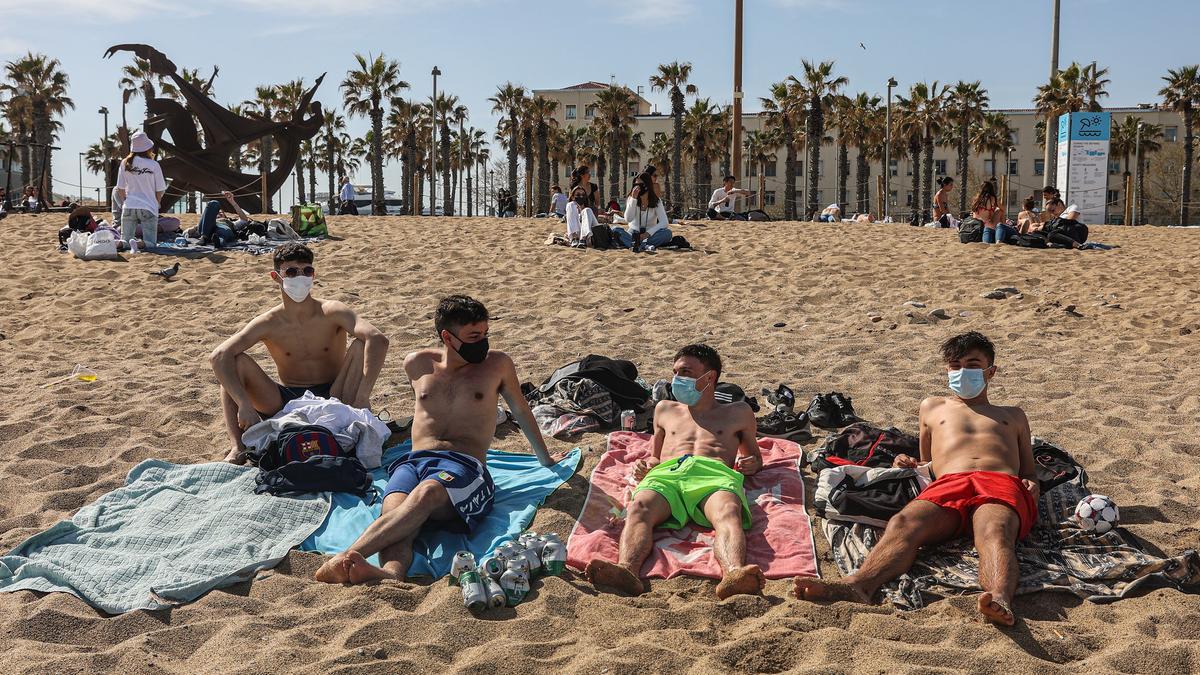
192,167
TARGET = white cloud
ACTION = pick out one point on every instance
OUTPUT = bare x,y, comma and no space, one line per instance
107,10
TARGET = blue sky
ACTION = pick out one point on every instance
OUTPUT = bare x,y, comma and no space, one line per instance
541,44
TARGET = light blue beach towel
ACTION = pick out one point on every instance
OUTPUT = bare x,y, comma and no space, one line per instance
173,533
522,484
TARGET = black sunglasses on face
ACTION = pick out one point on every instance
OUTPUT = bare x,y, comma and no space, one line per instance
291,272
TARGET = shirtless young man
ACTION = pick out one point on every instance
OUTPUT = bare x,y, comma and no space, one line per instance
985,484
306,338
703,450
445,480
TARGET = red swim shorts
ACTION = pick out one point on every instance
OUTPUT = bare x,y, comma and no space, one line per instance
967,491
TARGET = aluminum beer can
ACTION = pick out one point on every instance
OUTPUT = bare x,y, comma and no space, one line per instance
515,584
493,566
520,561
495,594
628,420
474,593
535,561
464,561
554,558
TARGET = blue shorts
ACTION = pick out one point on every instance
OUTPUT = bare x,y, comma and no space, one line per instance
465,478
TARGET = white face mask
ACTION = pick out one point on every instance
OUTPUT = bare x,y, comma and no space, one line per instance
297,287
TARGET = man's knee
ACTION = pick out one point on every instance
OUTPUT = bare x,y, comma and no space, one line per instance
429,494
726,512
997,527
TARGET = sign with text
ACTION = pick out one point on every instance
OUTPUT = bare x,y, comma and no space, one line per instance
1083,139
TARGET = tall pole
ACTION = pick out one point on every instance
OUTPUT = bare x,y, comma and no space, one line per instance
104,111
1051,120
433,147
887,153
1137,159
81,177
737,90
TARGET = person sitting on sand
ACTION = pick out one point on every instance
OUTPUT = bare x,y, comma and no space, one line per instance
985,485
702,452
217,227
445,480
1027,219
830,214
720,204
580,219
558,201
1054,208
306,338
646,216
941,202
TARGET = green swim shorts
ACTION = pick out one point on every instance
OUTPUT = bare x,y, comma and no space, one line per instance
686,481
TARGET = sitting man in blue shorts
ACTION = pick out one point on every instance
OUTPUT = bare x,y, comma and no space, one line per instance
703,450
444,482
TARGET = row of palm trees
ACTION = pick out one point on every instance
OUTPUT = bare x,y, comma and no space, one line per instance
36,90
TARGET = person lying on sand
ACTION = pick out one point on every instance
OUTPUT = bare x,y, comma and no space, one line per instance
444,480
691,476
306,338
985,484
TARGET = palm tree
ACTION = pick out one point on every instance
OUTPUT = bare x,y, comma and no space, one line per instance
858,129
660,154
819,84
42,85
290,95
138,78
541,111
20,117
991,135
966,102
333,130
1070,90
100,155
1182,94
265,105
760,149
615,109
592,151
700,123
446,110
1094,83
673,77
573,139
363,91
909,136
841,110
924,107
476,146
527,153
509,101
782,111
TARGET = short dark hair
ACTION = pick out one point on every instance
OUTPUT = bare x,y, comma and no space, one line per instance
702,353
959,346
1050,190
1028,204
292,252
728,178
456,311
1055,201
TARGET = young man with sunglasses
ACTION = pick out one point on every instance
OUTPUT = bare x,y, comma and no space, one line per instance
702,452
444,481
306,338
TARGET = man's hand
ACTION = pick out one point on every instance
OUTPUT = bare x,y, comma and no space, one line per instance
748,465
557,457
904,462
247,417
1033,486
643,466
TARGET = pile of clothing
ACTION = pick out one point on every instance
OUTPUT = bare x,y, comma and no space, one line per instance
587,395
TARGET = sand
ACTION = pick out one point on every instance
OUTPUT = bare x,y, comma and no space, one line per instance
1113,380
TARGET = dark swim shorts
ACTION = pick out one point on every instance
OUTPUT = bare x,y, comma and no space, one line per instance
465,478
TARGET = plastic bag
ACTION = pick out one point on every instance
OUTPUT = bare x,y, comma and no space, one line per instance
101,245
77,244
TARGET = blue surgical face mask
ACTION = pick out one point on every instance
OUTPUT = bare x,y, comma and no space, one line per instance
967,383
683,389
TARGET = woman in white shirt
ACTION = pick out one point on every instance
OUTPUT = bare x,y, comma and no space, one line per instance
649,227
580,218
140,186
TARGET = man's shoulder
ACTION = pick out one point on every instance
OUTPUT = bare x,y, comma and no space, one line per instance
932,402
423,356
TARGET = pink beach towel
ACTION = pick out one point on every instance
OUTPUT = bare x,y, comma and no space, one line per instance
780,540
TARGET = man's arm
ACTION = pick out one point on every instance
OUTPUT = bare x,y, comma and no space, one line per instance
236,207
714,201
1028,468
749,458
926,440
375,346
510,389
224,364
643,466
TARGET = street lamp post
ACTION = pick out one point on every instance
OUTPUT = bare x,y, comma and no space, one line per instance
491,182
81,176
433,146
887,153
736,169
103,111
1137,158
1048,154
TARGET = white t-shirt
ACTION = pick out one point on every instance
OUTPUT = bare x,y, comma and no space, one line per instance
141,182
720,194
560,203
347,192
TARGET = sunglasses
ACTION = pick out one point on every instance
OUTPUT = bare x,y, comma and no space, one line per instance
291,272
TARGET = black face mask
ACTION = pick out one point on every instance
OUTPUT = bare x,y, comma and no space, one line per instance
581,200
473,352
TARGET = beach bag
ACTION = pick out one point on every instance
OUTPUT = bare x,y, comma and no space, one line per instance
1055,466
971,231
1069,228
319,473
280,230
678,242
1031,240
77,244
101,245
859,494
758,216
602,237
168,226
863,445
308,220
296,443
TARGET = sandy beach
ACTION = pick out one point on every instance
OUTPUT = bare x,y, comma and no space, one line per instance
1099,348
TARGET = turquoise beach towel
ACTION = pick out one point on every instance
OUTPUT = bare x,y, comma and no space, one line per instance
522,484
171,534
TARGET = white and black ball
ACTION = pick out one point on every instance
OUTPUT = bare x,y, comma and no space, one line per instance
1097,513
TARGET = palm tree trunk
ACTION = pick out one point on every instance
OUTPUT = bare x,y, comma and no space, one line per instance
512,152
447,196
527,147
614,161
927,176
677,149
377,159
543,152
331,167
816,129
963,150
914,151
993,164
312,176
1185,190
600,164
789,190
843,176
470,193
300,178
862,177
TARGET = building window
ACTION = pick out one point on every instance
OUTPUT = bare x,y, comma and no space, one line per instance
821,169
895,165
908,169
799,168
908,198
1039,167
1114,167
893,196
1112,197
770,172
589,113
769,198
752,169
1170,134
1012,167
1015,137
571,110
989,167
939,167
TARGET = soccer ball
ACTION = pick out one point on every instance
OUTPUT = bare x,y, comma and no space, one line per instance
1096,513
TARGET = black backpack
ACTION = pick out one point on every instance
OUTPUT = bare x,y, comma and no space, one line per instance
757,216
971,231
296,443
1056,466
319,473
1069,228
602,237
1031,240
863,445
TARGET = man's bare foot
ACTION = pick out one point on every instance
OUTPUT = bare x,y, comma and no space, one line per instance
604,573
744,580
996,611
236,456
812,588
334,571
362,571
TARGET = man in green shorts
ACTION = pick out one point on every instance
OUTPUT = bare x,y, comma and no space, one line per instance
703,450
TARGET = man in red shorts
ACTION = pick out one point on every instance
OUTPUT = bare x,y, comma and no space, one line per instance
984,484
